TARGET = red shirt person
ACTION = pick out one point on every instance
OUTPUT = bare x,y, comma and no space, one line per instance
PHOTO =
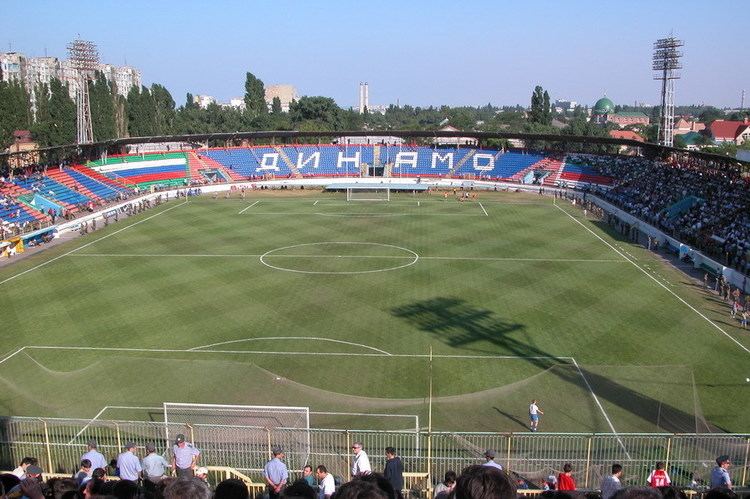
659,477
565,480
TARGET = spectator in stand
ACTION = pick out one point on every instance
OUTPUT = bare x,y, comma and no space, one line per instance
360,463
720,478
484,482
565,480
20,471
444,488
93,455
611,483
359,489
84,473
184,457
187,487
299,490
275,473
30,487
489,456
394,470
307,475
658,477
231,489
327,484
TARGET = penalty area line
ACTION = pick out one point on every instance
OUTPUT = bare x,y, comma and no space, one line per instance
485,211
701,314
245,209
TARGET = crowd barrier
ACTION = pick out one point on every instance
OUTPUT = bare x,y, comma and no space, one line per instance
59,443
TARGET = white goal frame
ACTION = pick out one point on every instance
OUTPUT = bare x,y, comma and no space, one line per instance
373,193
246,411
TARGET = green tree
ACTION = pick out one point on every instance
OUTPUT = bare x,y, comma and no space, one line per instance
141,110
164,112
710,114
102,99
540,107
276,106
14,110
321,110
56,115
255,96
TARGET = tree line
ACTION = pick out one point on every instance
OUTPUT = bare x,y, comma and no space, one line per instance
152,111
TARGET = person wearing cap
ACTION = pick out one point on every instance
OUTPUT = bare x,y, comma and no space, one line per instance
360,463
276,473
30,487
129,464
201,473
20,472
719,475
184,457
489,456
154,465
93,455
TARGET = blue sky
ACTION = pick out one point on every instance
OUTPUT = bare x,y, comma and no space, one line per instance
414,52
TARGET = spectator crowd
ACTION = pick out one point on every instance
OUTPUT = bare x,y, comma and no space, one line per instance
149,477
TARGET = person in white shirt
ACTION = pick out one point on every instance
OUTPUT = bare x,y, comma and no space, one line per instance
327,485
534,412
20,472
361,463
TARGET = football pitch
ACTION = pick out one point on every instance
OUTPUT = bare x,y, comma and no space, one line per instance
355,309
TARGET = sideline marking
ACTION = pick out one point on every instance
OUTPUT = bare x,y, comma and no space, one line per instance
485,211
244,210
88,424
657,282
290,338
89,243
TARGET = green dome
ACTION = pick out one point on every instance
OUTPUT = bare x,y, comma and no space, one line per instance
604,106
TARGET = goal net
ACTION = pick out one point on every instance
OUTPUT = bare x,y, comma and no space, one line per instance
380,193
239,435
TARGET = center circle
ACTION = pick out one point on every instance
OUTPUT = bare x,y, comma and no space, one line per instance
339,258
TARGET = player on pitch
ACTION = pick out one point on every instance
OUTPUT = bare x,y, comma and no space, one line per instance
534,412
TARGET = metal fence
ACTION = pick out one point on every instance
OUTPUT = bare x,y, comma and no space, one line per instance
689,458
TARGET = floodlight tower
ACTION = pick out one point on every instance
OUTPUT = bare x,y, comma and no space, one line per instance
84,58
666,62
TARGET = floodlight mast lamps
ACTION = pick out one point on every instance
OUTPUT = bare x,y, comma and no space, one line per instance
84,58
666,63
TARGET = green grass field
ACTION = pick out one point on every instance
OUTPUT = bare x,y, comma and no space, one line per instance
304,299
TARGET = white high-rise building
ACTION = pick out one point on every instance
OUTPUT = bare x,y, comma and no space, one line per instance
364,97
124,77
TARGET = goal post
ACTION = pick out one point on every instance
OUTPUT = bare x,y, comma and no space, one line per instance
375,193
242,428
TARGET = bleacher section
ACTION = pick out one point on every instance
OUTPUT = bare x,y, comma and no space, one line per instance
96,187
581,172
498,165
54,191
145,170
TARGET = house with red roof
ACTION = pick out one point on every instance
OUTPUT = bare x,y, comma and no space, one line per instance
730,131
628,135
683,126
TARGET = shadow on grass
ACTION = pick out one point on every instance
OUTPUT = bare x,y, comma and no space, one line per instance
459,325
511,417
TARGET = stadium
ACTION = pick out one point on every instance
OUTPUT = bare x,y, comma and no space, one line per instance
285,289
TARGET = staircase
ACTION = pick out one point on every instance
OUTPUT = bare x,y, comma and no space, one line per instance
545,164
288,161
556,167
461,163
211,164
